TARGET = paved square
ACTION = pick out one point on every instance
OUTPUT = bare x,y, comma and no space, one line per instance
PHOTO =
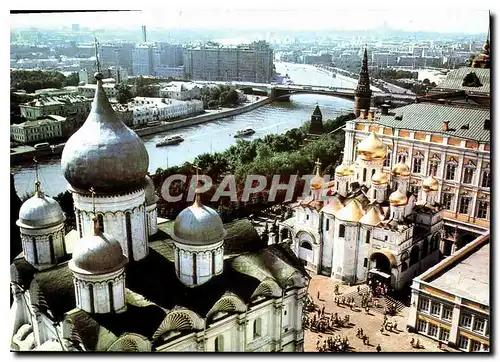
390,341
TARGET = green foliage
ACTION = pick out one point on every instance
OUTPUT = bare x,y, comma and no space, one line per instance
124,93
276,154
32,80
65,200
389,74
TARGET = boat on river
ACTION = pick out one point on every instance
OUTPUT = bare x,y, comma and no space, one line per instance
244,132
167,141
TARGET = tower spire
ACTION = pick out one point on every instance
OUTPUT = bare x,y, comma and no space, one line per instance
197,191
37,181
363,93
96,44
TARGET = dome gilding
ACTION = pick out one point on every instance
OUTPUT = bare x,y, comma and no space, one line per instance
397,198
401,169
372,148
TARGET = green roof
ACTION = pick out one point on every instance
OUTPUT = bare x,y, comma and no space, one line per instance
429,117
455,78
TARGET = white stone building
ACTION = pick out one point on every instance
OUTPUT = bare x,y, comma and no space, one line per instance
40,130
147,109
115,284
64,105
366,224
181,91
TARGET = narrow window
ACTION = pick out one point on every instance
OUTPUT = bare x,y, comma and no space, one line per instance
257,328
219,344
365,262
128,226
195,270
364,174
51,250
327,226
111,297
341,231
368,236
100,221
35,250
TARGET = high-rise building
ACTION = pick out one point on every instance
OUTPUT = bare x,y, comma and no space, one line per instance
116,55
252,63
142,59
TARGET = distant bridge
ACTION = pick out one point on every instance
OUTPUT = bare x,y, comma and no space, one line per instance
284,91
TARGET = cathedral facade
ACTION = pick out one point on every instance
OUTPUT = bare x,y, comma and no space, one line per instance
126,280
366,224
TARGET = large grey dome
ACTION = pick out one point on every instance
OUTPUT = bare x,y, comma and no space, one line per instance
104,153
40,211
198,225
151,196
97,254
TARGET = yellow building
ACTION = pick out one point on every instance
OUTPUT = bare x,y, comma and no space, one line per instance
450,301
450,140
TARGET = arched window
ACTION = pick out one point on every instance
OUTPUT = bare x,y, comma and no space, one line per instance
365,262
387,161
219,344
100,221
35,249
425,248
341,231
404,266
51,250
373,172
306,245
257,328
414,255
128,229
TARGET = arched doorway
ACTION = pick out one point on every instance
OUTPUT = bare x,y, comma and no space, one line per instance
414,255
305,247
425,248
381,262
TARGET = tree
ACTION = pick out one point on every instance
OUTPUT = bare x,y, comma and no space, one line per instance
124,94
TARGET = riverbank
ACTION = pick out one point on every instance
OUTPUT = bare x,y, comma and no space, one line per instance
206,117
26,153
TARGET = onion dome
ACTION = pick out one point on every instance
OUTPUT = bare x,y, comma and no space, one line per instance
198,225
151,197
97,254
380,178
317,181
372,217
397,198
352,212
332,207
401,169
372,148
40,211
430,184
104,153
342,170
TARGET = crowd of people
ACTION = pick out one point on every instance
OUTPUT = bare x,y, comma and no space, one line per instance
333,344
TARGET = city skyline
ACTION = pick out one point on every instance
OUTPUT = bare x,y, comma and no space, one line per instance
282,19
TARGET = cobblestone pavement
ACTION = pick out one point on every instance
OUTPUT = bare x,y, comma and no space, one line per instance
390,341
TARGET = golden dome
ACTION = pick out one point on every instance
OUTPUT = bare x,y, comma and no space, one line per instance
372,217
372,148
401,169
380,178
333,206
342,170
430,184
352,168
397,198
317,181
351,212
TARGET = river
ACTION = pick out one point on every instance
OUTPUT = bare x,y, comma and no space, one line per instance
213,136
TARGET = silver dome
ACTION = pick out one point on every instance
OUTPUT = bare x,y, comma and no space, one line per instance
151,197
198,225
97,254
104,153
40,211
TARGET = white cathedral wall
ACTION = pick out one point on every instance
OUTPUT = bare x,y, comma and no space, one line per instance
186,267
101,298
328,241
119,293
152,219
42,243
364,251
113,208
350,252
219,260
204,266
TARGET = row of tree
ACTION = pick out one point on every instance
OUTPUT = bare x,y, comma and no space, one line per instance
280,154
32,80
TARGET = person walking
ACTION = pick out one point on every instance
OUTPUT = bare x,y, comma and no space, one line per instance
358,288
378,348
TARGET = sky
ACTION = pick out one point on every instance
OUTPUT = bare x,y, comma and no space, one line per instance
282,17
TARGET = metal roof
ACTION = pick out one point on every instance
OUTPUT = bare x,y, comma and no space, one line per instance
455,78
429,117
